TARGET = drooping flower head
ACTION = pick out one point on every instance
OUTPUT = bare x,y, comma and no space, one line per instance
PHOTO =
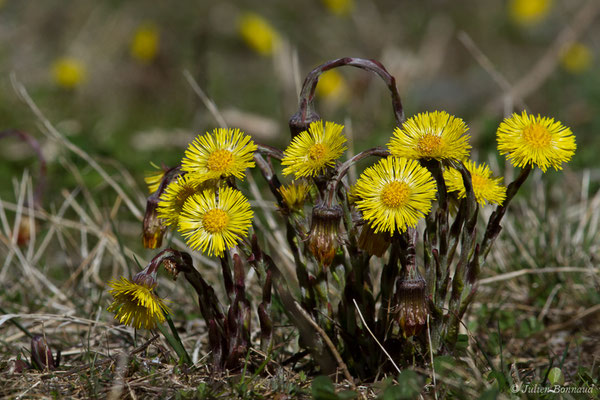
312,151
541,141
221,153
437,135
485,186
394,194
136,304
172,200
214,221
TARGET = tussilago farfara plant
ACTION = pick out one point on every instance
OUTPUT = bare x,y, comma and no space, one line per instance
388,263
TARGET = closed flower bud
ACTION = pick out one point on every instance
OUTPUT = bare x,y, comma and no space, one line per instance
154,229
41,355
412,313
323,237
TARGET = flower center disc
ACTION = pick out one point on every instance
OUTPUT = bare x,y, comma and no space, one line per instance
220,160
429,144
215,220
537,136
317,151
395,194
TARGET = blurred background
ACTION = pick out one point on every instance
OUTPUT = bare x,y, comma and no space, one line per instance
110,75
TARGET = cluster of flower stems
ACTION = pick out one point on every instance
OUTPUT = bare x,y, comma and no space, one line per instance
416,210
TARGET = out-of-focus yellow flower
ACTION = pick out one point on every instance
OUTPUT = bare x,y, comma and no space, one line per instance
258,33
577,58
332,86
339,7
528,12
2,3
145,43
68,72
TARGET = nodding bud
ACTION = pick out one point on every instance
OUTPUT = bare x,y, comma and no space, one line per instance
145,278
412,313
41,355
323,236
300,121
373,243
154,230
24,231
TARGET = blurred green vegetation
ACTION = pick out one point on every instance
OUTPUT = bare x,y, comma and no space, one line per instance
135,109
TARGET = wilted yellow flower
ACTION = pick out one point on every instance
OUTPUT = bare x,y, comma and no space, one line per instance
215,223
312,151
437,135
540,141
394,194
258,33
576,58
485,187
136,304
222,153
332,85
529,12
145,43
339,7
172,200
295,194
68,72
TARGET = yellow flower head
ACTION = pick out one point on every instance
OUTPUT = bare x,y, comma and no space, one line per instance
332,85
258,33
537,141
153,179
312,151
486,188
136,304
576,58
68,72
222,153
339,7
295,194
436,135
214,222
172,200
145,42
394,194
528,12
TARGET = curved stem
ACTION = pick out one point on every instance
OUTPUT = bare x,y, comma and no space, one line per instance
310,84
270,151
343,169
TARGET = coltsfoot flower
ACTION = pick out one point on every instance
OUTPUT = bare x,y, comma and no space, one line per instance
486,188
394,194
68,72
295,195
540,141
529,12
313,151
258,33
214,222
153,179
145,43
172,200
436,135
135,302
222,153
